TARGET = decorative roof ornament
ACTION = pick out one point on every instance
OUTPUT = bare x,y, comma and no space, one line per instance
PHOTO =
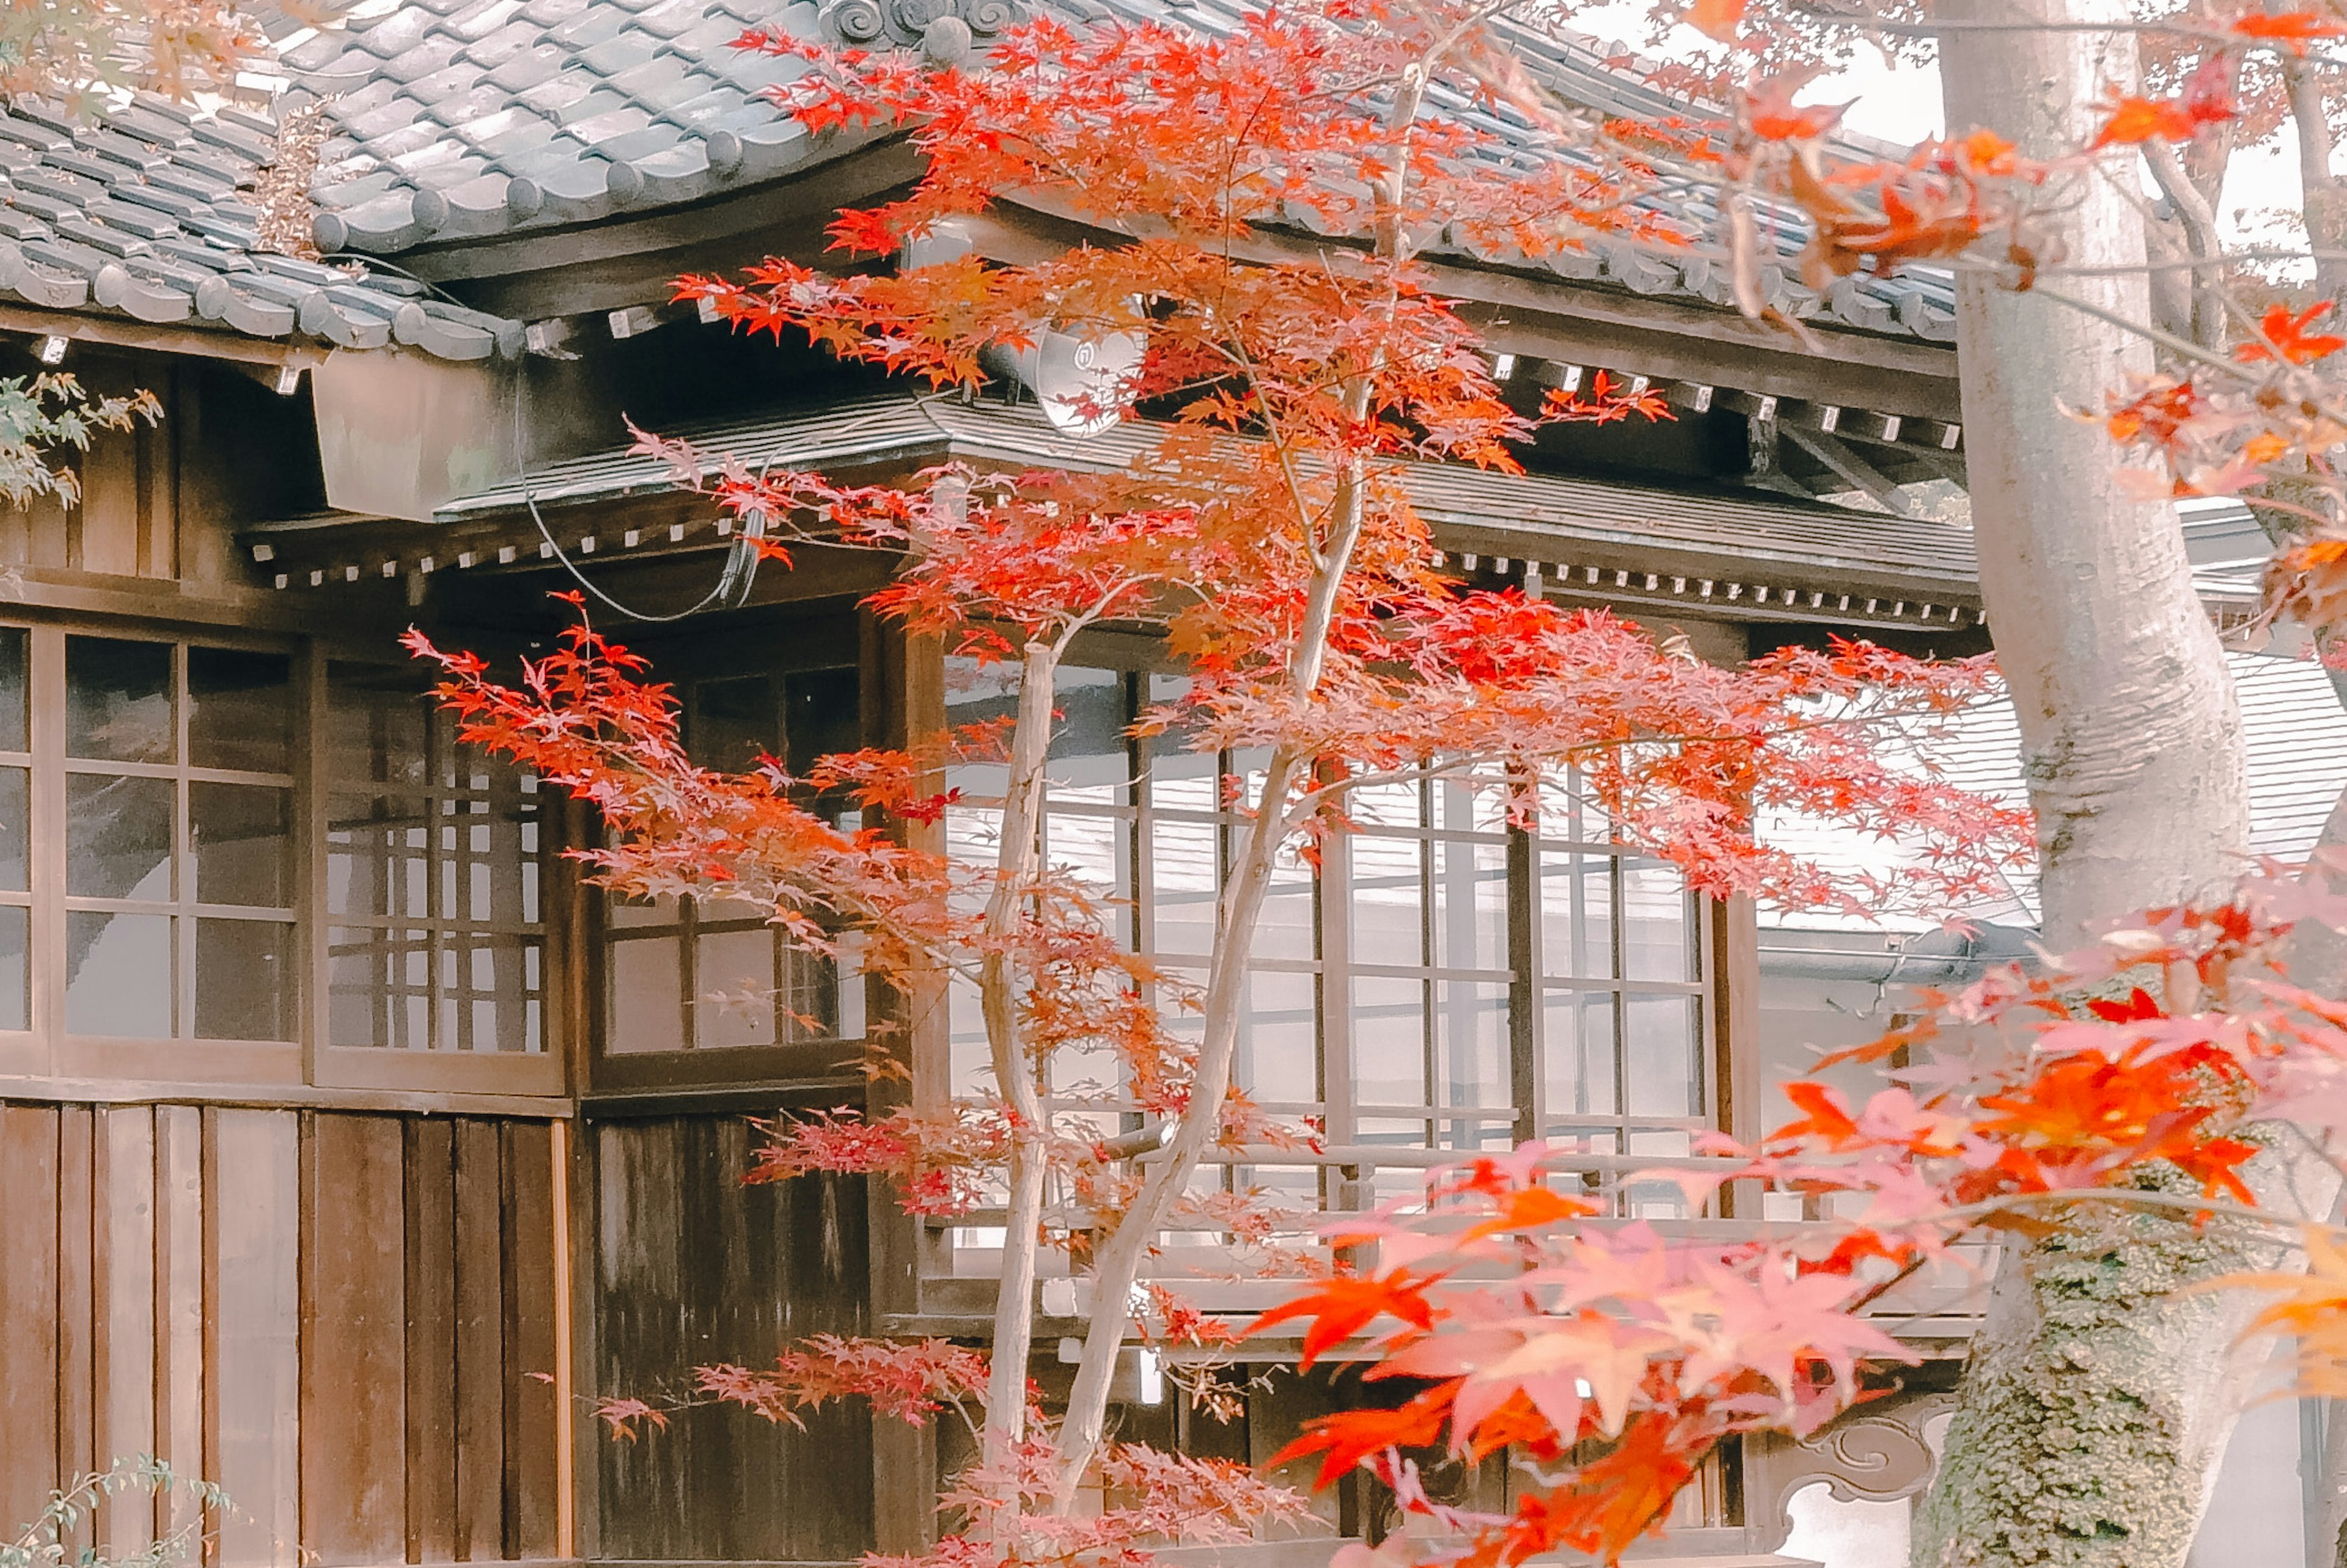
937,27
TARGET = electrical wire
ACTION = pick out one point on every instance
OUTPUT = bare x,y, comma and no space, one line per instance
734,583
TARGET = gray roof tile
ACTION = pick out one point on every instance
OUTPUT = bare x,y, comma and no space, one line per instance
396,115
57,185
591,26
432,55
38,137
536,113
530,68
41,206
661,82
587,106
101,237
144,222
672,18
620,121
624,51
479,19
351,100
235,141
55,287
397,31
197,183
65,256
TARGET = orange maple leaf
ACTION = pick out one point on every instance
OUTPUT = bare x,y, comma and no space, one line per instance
1343,1307
2135,121
2293,30
2284,335
1716,19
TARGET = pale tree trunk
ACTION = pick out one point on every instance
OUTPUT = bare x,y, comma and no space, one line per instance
1117,1266
1016,864
2132,737
2097,1404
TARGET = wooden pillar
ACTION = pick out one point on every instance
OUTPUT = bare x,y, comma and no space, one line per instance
902,690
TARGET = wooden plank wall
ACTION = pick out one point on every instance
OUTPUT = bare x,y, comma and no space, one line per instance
347,1320
693,1268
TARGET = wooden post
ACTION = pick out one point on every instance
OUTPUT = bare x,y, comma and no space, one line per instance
903,698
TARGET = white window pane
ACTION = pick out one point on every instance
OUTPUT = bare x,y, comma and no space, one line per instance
1660,1051
1389,1042
1471,892
118,975
1387,893
646,1007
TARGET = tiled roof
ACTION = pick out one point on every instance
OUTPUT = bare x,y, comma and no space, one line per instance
2296,733
148,211
458,118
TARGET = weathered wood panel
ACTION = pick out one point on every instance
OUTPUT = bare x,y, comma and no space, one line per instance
533,1474
77,1326
253,1165
351,1321
124,1311
480,1326
431,1300
28,1311
180,1381
694,1268
354,1364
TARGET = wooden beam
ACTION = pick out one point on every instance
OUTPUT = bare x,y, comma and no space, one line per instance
1940,465
617,263
228,345
1836,455
1548,317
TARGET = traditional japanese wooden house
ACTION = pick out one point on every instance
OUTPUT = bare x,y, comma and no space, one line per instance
350,1147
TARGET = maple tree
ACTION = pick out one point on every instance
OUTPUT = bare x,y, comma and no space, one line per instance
1267,535
1615,1358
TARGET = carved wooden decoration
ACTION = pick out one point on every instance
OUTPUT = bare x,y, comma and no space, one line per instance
1877,1454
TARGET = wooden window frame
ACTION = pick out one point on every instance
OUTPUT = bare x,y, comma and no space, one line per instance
47,1054
828,1065
539,1072
1523,978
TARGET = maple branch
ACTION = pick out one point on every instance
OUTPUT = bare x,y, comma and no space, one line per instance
2201,229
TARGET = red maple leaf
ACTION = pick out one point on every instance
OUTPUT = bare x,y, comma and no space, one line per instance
2283,333
1343,1307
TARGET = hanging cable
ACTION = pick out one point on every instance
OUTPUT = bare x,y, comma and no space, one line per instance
733,584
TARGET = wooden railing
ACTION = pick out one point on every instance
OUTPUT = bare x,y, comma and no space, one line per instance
1212,1268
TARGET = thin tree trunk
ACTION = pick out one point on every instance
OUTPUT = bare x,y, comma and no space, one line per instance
1015,869
1117,1266
2097,1404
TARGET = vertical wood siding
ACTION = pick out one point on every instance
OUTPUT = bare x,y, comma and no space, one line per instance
694,1269
342,1318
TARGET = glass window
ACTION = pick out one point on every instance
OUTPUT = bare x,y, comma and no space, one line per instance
696,975
1439,888
163,822
435,938
118,704
15,831
702,975
1621,982
238,716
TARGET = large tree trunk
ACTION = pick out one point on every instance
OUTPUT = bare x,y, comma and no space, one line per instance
2132,736
2097,1405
